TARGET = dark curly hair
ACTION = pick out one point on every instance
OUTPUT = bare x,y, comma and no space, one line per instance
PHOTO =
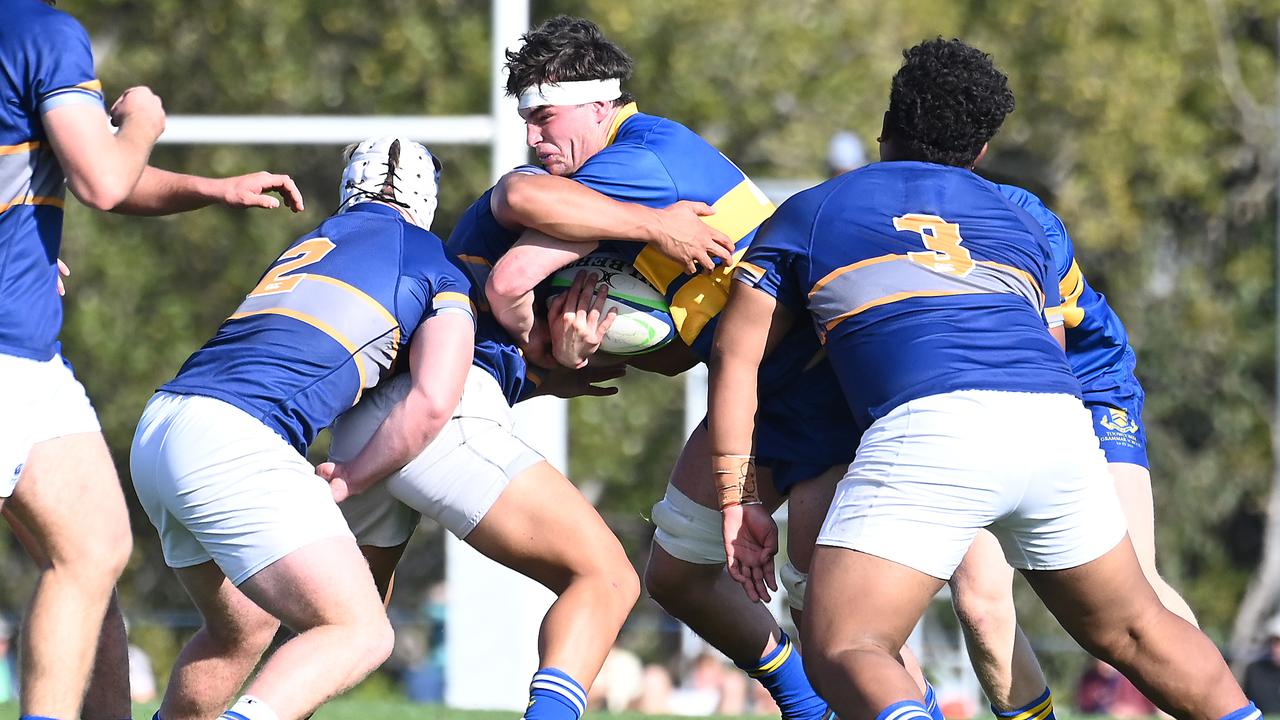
947,100
564,49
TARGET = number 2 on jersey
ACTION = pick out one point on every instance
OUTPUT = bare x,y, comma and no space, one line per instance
945,255
303,254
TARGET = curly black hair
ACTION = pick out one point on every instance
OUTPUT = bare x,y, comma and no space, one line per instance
565,49
947,100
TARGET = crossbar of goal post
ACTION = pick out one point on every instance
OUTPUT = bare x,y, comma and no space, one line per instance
493,614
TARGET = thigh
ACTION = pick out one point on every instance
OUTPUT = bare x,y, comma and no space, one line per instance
327,582
227,612
983,573
857,599
1098,597
807,507
544,528
69,499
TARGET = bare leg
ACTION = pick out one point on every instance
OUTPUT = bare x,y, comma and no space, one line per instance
808,504
859,613
544,529
982,593
215,663
107,697
325,593
703,596
70,503
1110,609
1133,485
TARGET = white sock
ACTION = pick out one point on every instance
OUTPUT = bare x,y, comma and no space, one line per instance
249,707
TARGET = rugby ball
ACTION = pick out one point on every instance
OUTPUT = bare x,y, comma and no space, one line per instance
644,321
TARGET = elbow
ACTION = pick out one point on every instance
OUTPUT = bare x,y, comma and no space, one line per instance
507,284
103,194
515,199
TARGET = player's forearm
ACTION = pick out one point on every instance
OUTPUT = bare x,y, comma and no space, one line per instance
408,429
107,183
160,192
569,210
513,311
731,405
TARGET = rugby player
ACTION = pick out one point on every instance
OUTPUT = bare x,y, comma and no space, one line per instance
583,126
1098,349
929,289
218,460
57,480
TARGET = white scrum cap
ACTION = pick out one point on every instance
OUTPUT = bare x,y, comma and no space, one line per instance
395,170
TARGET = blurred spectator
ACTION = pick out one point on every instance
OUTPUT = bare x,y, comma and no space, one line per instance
424,679
844,153
620,682
8,669
142,676
1262,677
711,687
1102,690
655,691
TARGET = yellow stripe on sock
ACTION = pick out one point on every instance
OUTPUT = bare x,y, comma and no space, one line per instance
773,664
1039,711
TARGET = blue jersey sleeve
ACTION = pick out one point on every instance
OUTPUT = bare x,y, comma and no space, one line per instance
778,260
433,281
631,173
62,71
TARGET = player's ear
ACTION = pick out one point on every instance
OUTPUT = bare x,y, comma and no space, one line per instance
981,154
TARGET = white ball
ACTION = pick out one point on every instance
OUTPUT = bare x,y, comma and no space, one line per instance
644,321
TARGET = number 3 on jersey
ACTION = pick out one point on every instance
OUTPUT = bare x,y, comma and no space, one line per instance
299,256
943,240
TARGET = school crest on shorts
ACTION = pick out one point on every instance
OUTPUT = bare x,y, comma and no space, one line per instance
1118,420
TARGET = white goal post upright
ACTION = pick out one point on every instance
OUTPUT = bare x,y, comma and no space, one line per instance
493,614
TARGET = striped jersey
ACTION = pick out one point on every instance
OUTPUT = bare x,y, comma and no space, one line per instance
921,279
45,63
327,321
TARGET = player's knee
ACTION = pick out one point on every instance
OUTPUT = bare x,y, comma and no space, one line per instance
689,533
981,611
795,583
373,641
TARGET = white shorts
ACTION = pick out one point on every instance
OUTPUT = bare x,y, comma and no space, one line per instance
39,401
220,485
455,480
935,470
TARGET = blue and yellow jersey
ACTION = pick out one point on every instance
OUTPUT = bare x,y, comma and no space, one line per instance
45,63
327,321
478,240
921,279
654,161
1097,344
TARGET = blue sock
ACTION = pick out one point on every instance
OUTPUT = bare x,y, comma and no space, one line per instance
157,716
1039,709
931,703
904,710
35,717
781,672
1248,712
553,695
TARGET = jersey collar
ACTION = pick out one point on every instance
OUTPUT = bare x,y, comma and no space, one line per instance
374,207
624,112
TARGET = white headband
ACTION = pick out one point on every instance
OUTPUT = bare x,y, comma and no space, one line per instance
573,92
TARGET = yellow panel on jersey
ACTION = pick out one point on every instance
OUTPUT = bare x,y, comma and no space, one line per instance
1071,287
738,213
